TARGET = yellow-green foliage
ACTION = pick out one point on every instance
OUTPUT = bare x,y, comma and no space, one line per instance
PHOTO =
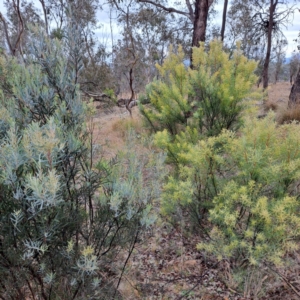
257,213
248,185
219,84
169,101
208,97
201,168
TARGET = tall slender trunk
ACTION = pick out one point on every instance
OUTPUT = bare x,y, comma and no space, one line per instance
273,4
224,19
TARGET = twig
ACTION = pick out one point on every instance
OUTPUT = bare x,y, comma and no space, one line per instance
296,291
127,259
199,281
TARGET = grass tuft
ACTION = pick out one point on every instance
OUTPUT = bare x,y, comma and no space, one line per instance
124,125
289,114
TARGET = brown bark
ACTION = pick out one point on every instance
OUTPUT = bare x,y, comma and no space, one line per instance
273,4
200,21
295,91
199,17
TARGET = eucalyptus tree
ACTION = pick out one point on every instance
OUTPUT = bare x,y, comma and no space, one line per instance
13,26
148,32
258,23
197,12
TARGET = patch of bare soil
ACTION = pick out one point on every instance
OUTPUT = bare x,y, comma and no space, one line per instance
166,265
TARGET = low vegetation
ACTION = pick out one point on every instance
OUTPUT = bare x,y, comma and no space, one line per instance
199,201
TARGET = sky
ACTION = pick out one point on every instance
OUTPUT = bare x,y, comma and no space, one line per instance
104,33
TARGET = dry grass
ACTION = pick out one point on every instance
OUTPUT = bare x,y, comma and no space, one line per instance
123,125
110,129
289,114
278,96
279,92
278,102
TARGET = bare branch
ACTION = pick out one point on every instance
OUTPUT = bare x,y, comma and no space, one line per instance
191,12
168,9
98,97
6,33
21,25
45,15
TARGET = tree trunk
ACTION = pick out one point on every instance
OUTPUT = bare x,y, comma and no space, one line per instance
273,4
224,19
200,21
295,91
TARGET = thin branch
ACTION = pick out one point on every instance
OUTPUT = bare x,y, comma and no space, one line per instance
191,11
45,15
6,33
21,25
127,259
167,9
295,289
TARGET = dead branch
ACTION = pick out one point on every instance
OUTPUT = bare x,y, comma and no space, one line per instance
6,33
168,9
98,97
126,102
191,11
293,287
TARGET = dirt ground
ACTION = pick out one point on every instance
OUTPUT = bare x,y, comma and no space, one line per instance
279,92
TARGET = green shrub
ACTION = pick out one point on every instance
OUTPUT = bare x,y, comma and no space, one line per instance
255,216
243,191
209,97
63,220
169,95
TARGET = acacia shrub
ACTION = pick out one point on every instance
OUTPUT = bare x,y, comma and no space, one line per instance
219,86
255,216
208,97
242,189
168,96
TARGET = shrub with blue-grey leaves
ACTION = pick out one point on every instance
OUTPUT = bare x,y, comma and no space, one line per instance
67,223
